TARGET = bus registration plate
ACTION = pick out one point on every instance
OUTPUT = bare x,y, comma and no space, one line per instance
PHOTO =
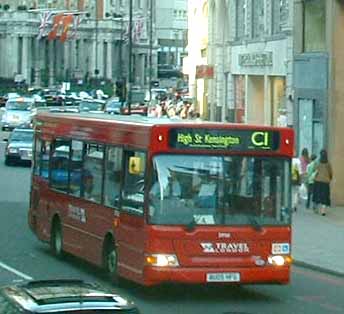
223,277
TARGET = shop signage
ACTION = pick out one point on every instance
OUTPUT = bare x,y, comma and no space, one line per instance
255,59
204,71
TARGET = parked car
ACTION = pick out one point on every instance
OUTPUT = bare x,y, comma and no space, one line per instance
7,96
114,106
92,105
62,296
16,112
19,146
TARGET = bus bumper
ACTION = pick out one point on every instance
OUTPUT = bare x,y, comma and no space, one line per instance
254,275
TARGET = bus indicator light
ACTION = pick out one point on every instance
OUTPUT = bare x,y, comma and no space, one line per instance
160,138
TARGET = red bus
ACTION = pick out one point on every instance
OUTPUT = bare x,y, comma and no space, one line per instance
159,200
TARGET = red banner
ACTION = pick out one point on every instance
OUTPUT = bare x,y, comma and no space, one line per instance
61,25
204,71
67,23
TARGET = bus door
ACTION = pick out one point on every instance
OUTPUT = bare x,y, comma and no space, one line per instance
130,230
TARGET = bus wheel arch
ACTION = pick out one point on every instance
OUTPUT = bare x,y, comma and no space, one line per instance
56,237
110,258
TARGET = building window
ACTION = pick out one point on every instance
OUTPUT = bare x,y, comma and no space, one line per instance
280,15
240,21
314,25
257,18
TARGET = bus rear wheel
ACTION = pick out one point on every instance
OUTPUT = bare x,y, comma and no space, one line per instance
111,263
56,240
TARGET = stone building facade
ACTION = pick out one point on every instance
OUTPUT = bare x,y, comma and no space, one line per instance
318,79
251,49
99,48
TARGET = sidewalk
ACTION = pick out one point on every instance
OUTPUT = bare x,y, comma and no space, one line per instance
318,241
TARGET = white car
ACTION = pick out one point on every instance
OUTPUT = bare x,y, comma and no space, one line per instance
17,111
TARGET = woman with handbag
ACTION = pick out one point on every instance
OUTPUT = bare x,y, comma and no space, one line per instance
322,179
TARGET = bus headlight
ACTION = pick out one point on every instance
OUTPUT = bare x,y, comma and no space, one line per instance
279,260
162,260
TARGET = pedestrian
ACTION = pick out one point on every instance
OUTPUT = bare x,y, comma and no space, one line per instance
322,179
304,161
311,172
295,181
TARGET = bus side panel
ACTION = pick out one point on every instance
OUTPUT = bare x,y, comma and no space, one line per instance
130,239
39,220
84,225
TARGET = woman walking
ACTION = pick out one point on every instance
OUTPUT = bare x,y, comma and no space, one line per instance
322,179
311,173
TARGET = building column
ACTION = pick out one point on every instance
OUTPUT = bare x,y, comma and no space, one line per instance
25,59
94,62
268,110
38,47
101,66
2,56
66,57
13,56
109,60
140,74
51,53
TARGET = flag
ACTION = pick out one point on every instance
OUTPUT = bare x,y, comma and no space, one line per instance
67,21
45,20
138,30
76,22
57,25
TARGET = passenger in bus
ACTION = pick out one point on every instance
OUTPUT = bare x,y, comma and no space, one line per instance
88,186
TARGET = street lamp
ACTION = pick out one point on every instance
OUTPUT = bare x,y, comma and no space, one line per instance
130,48
150,48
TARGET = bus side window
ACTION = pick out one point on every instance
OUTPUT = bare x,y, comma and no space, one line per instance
41,158
113,173
76,168
92,176
59,176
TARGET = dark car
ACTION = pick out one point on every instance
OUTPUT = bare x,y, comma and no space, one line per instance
62,296
92,106
19,146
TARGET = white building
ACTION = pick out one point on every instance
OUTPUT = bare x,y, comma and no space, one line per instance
171,27
251,49
99,48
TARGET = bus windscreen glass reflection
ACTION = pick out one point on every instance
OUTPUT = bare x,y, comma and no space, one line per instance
220,190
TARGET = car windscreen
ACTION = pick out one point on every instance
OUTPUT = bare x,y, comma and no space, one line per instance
113,105
90,106
21,136
16,105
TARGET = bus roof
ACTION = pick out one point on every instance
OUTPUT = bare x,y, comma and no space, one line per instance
166,135
144,120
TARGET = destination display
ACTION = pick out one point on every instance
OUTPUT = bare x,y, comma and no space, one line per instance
234,140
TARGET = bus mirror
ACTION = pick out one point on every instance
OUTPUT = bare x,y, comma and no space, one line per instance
135,165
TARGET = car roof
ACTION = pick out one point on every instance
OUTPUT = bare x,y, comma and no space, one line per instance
21,99
64,295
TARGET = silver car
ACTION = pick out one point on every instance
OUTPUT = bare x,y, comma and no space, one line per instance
16,112
19,146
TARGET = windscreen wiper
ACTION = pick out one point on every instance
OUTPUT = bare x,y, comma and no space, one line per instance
253,220
191,225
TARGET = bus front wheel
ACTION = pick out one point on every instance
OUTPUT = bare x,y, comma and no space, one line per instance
111,262
56,241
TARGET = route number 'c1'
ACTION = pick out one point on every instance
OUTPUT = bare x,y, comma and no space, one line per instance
260,139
